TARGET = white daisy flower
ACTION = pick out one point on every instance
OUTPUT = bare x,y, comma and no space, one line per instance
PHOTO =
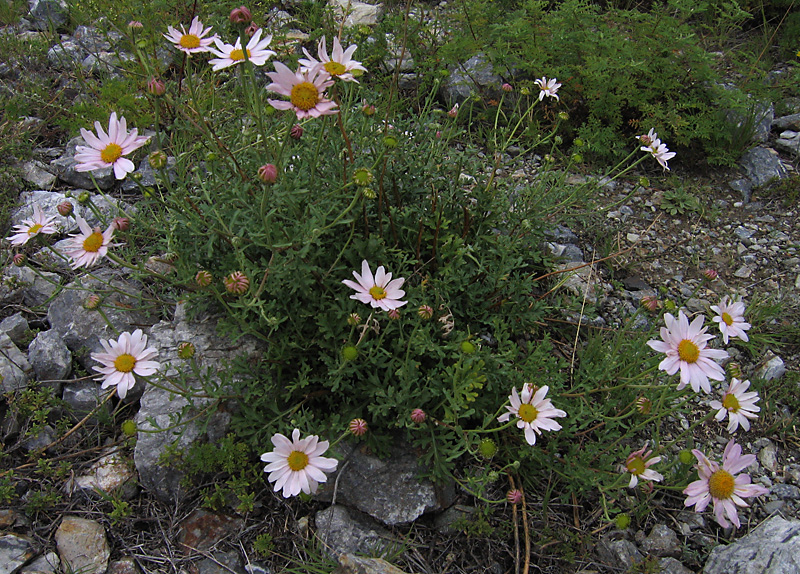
194,40
738,405
381,292
123,358
30,228
534,411
730,317
547,88
297,465
90,245
230,55
340,64
108,150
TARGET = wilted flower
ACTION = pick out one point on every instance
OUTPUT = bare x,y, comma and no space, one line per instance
340,64
109,149
514,496
268,173
453,111
306,91
203,278
638,464
236,283
194,40
296,132
738,405
547,88
357,427
29,228
251,29
722,485
534,411
298,465
90,245
685,347
418,416
121,223
240,15
353,319
123,358
380,291
730,317
232,54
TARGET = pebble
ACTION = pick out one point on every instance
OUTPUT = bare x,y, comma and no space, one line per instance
743,272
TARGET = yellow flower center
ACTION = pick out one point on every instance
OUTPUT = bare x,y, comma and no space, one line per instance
727,319
111,154
34,229
731,403
377,293
527,413
304,96
125,363
297,460
721,484
335,68
93,243
688,351
189,41
238,54
636,465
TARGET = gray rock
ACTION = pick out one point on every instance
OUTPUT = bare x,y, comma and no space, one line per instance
662,542
65,169
789,142
15,326
561,234
23,285
48,14
112,473
388,490
446,522
82,397
36,173
619,554
580,282
149,176
768,457
743,186
357,13
771,367
762,165
347,531
14,367
14,552
44,438
45,564
790,122
222,563
49,357
475,75
82,545
785,491
772,548
351,564
63,56
673,566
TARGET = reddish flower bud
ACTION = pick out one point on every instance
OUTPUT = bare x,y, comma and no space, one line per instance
506,87
296,132
368,110
453,111
65,208
710,274
241,15
394,314
19,259
156,87
92,302
650,302
514,496
425,311
418,416
251,30
121,223
268,173
358,427
236,283
203,278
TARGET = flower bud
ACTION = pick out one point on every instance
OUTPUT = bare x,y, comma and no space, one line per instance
710,274
564,116
350,353
577,158
296,132
83,197
506,87
487,448
121,223
418,416
525,91
686,457
203,278
644,182
514,496
467,347
390,142
129,427
250,31
353,319
156,87
578,142
358,427
368,192
734,370
186,350
19,259
623,521
558,140
644,405
368,110
135,24
92,302
453,111
241,15
394,314
157,159
268,173
362,177
236,283
65,208
425,311
650,302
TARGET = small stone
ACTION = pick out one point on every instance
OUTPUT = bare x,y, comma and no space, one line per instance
82,545
768,457
785,491
14,552
662,541
771,367
743,272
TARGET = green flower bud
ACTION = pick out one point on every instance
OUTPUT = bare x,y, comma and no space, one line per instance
362,177
83,197
129,427
578,142
350,353
623,521
686,457
487,448
390,142
467,347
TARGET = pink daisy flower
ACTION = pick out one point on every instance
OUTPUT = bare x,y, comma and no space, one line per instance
194,40
123,358
108,150
738,405
306,91
730,317
722,485
340,64
297,465
230,55
379,291
534,411
90,245
638,464
30,228
547,88
685,347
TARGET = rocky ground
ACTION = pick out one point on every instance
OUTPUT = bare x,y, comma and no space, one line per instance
119,509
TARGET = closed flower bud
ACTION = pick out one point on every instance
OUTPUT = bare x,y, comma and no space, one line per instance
268,173
453,111
487,448
368,110
135,24
514,496
390,142
157,159
394,314
734,370
425,311
650,302
558,140
83,197
577,158
129,427
644,182
578,142
241,15
353,319
350,353
156,87
623,521
19,259
670,305
121,223
644,405
525,91
710,274
65,208
92,302
564,116
203,278
186,350
358,427
686,457
250,31
418,416
467,347
506,87
296,132
362,177
368,192
236,283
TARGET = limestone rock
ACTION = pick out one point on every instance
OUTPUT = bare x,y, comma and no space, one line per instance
346,531
351,564
47,14
762,165
14,366
772,548
82,545
14,552
476,75
49,356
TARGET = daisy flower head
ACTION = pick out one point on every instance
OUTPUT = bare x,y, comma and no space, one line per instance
124,358
638,464
298,465
722,484
685,347
380,291
534,411
730,316
661,154
306,91
340,64
109,149
90,245
194,40
738,405
230,55
36,225
547,88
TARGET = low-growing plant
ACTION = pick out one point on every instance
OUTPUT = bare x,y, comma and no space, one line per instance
679,201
